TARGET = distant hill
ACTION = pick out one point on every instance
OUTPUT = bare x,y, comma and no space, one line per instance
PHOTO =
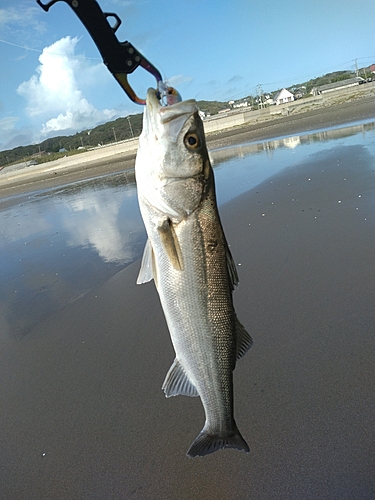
336,76
211,107
117,130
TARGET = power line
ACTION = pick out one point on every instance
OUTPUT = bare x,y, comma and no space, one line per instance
20,46
41,51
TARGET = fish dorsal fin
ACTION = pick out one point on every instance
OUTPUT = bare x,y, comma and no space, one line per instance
170,244
177,382
231,266
243,340
147,271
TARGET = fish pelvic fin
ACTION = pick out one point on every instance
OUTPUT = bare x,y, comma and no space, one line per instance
207,443
147,271
243,340
177,382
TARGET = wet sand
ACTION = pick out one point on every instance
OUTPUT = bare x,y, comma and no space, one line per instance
82,412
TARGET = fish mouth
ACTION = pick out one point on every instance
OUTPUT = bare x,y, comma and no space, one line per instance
152,100
170,112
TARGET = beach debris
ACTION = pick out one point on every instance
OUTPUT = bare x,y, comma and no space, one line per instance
189,259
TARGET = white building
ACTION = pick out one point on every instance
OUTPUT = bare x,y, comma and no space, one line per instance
283,97
243,104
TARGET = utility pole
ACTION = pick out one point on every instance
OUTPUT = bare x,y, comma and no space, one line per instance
130,125
114,133
356,68
260,94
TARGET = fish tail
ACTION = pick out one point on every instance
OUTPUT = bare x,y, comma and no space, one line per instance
207,443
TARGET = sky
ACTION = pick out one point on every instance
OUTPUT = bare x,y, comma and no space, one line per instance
53,81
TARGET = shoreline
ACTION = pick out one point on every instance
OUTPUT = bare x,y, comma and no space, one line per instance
25,181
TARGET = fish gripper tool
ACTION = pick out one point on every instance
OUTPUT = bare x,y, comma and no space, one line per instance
121,58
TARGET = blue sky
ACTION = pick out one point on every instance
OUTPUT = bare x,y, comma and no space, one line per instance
53,81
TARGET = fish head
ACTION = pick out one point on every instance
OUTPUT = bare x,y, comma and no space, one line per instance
172,157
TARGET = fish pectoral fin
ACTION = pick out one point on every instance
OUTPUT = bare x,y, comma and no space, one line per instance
170,244
231,266
177,382
147,271
243,340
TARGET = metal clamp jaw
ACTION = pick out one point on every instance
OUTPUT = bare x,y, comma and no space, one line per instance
121,58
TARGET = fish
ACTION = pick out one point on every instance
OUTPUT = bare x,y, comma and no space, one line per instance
189,259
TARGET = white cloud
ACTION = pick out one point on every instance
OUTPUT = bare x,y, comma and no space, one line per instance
20,21
7,123
54,94
9,16
10,137
175,81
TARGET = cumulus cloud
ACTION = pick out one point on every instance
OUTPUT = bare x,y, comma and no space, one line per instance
54,94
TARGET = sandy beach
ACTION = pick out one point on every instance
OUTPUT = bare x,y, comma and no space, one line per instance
82,412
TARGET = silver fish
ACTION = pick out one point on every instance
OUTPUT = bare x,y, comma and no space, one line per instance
188,257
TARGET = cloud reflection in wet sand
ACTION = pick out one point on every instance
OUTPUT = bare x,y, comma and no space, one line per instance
95,224
57,244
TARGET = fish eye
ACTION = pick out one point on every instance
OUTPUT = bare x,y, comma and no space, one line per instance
191,141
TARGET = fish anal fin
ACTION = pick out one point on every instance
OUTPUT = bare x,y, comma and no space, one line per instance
231,266
207,443
243,340
147,271
170,244
177,382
